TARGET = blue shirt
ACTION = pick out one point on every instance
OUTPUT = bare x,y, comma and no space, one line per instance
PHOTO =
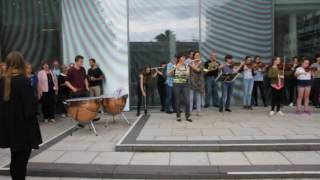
258,76
169,80
56,71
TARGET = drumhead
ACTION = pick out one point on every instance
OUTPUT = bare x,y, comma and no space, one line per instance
83,99
111,96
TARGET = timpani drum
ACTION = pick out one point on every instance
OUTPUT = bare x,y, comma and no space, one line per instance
113,105
83,109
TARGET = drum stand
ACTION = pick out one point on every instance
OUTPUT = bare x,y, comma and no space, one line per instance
91,127
113,117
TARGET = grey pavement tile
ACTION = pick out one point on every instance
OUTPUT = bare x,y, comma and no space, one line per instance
187,158
156,158
217,132
227,158
47,156
186,132
302,157
122,158
77,157
266,158
102,146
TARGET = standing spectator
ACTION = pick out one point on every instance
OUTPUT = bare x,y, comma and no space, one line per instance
96,77
2,69
211,75
32,77
162,86
19,128
63,93
316,82
77,79
56,68
47,89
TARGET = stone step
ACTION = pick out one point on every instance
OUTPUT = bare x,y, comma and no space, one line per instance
171,172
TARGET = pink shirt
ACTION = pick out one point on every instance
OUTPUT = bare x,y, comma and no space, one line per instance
43,85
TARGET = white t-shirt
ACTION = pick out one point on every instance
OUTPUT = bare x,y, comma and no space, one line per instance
247,74
306,76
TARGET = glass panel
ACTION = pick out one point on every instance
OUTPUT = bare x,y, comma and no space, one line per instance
158,30
31,27
98,29
297,28
239,28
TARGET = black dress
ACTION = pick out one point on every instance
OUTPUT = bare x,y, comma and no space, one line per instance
19,128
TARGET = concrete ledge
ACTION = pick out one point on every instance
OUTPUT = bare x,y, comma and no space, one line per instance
172,172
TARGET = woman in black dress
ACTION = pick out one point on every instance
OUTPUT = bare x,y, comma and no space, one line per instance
19,128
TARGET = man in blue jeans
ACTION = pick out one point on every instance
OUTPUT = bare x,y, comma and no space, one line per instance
227,87
169,88
212,70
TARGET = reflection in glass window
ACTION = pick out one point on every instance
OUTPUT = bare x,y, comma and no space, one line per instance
157,31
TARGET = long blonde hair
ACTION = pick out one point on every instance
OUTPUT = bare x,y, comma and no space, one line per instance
15,66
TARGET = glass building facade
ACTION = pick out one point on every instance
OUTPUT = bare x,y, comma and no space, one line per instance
125,35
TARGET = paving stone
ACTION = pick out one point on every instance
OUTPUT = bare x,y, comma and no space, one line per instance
266,158
47,156
102,146
186,132
156,158
113,158
216,132
77,157
298,157
185,158
228,158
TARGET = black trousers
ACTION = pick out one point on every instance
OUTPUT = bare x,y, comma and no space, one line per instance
291,90
276,98
18,165
162,94
48,104
144,99
258,85
316,92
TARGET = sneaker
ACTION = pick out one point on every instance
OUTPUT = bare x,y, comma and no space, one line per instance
280,113
188,119
63,115
228,110
291,104
53,120
271,113
178,119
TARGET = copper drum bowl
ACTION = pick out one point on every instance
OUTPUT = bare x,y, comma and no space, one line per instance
83,109
113,105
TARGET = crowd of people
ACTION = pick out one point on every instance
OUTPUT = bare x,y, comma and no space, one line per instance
196,82
54,83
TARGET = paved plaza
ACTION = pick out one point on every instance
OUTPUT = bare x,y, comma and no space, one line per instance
83,149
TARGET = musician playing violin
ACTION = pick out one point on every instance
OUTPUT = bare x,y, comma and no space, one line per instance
276,76
291,80
259,69
247,82
227,87
304,83
316,82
